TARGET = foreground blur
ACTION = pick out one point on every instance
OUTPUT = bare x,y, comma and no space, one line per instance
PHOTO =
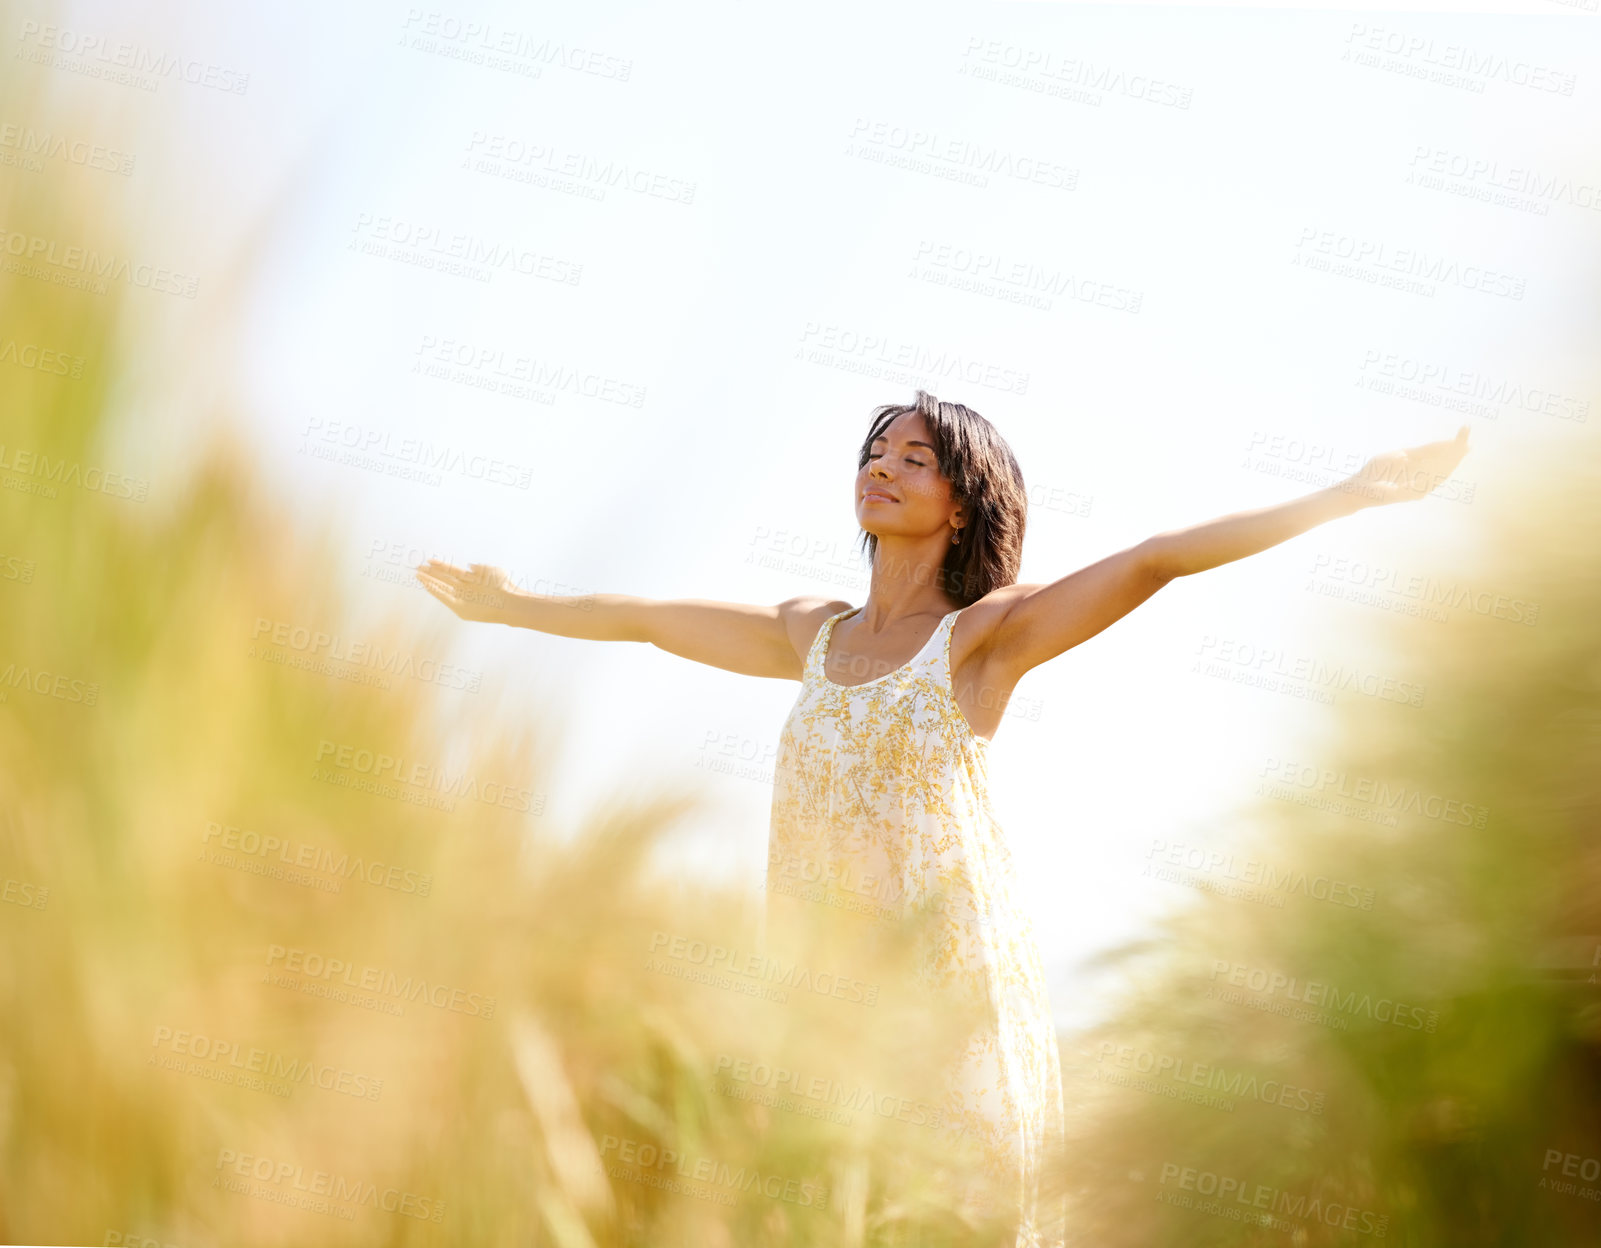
273,973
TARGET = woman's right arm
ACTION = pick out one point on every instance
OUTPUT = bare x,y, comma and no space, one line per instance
753,640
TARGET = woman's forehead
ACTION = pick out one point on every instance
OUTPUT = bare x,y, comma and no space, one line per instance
907,426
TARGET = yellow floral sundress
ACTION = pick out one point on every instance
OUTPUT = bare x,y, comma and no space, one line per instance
880,806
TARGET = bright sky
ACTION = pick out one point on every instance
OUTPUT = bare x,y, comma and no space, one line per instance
1151,245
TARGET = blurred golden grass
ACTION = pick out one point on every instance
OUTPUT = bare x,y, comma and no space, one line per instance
494,1124
511,1127
1485,915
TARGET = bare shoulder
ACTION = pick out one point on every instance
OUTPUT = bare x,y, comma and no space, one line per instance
974,632
802,616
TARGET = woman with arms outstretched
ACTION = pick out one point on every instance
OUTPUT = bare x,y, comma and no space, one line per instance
882,768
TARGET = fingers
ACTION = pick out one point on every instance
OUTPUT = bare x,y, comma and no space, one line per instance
472,574
438,567
442,590
450,574
435,587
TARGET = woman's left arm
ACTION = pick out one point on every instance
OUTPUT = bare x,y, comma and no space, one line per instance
1394,477
1039,622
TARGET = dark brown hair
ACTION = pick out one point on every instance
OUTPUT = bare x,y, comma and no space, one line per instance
985,477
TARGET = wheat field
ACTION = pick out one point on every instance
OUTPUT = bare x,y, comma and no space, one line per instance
272,974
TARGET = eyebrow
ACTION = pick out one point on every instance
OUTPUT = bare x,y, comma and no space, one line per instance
882,438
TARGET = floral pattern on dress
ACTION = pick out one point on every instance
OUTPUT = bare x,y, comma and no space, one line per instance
885,786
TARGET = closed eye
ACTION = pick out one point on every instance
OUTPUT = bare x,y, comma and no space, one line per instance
914,462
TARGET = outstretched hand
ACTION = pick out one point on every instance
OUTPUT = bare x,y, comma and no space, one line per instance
476,592
1407,475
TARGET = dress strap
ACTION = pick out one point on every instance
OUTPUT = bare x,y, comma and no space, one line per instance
814,656
949,625
936,651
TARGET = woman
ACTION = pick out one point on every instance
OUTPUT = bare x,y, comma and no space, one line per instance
881,784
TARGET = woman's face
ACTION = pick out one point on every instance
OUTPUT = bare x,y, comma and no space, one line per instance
899,490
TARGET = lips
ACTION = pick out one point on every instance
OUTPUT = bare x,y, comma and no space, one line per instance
877,496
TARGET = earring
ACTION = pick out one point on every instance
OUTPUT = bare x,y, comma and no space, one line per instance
956,536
